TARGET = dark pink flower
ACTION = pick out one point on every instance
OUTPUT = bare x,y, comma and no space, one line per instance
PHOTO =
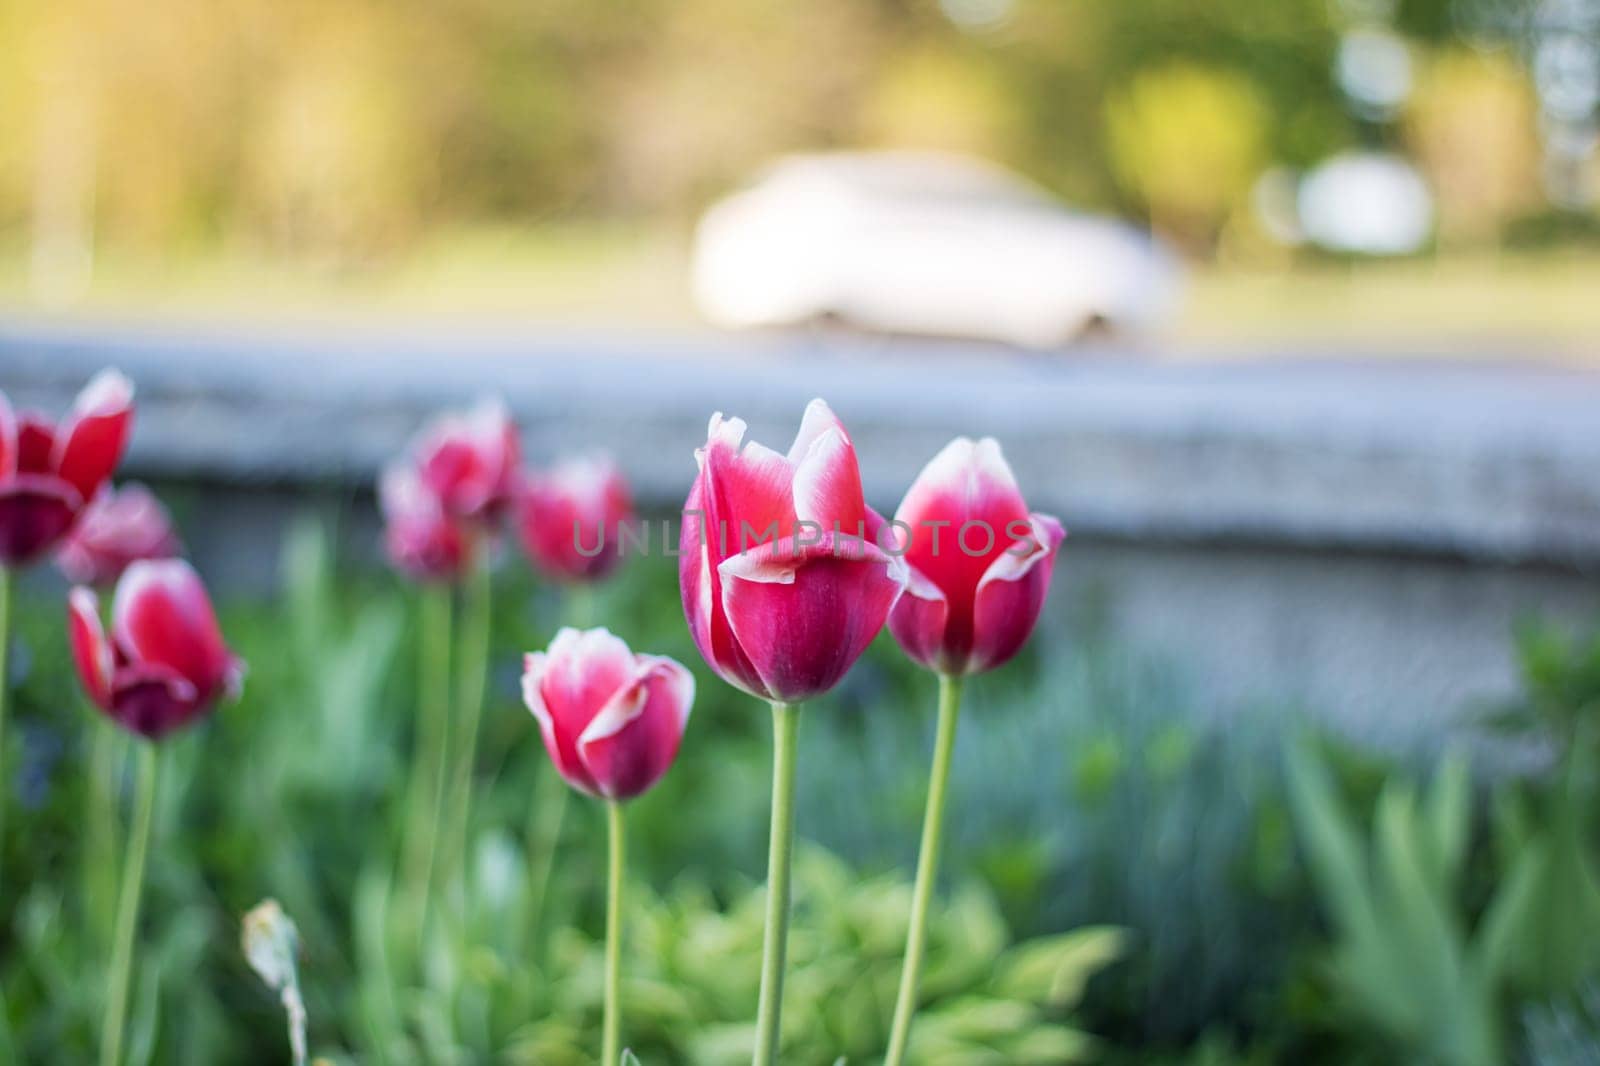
611,720
568,518
118,528
980,562
48,473
423,540
165,663
469,461
783,580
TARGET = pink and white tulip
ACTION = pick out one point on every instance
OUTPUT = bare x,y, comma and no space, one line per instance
165,662
49,473
423,540
611,720
117,529
980,562
469,461
783,580
568,518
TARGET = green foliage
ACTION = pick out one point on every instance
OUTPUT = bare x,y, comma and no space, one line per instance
694,968
1087,789
1408,956
1560,686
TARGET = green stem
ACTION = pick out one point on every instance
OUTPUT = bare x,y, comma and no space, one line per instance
780,848
611,1041
426,807
551,795
6,577
474,666
100,832
927,868
111,1030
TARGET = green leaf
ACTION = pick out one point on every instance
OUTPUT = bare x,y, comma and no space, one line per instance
1054,970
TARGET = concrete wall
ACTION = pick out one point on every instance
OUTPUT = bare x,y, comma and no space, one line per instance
1348,536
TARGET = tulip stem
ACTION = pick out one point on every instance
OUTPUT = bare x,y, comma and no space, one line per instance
128,907
474,667
927,867
100,831
429,760
780,848
6,575
611,1041
543,838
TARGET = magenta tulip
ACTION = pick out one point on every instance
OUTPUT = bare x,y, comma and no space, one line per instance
165,663
117,529
784,582
469,461
611,720
423,540
980,562
568,518
48,473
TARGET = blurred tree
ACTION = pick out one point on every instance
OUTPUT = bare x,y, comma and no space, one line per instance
1189,141
1471,125
725,86
942,98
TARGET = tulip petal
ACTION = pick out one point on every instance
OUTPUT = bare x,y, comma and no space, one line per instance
804,618
161,615
469,461
634,739
95,435
918,623
966,480
36,440
36,511
818,420
115,529
701,588
749,494
827,484
152,699
91,651
569,519
1011,595
566,687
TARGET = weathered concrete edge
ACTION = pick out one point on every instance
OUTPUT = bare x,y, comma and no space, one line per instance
1484,462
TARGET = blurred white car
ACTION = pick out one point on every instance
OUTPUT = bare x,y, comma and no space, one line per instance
924,244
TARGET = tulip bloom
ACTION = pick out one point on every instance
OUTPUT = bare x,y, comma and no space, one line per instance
49,473
980,568
568,518
165,662
117,529
423,540
980,562
784,583
469,461
164,665
611,721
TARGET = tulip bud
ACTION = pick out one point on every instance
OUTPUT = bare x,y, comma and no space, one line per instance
568,518
783,578
422,539
165,663
48,473
118,528
980,562
611,720
469,461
